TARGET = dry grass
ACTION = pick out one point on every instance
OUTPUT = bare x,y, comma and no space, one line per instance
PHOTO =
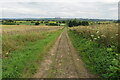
16,36
24,47
21,28
104,33
97,44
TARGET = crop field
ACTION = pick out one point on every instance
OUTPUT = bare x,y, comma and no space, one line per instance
21,28
97,45
32,22
24,47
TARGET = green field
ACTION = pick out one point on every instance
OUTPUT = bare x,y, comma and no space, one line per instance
32,22
23,51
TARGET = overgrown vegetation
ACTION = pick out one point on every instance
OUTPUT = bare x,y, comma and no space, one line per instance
100,56
105,34
22,51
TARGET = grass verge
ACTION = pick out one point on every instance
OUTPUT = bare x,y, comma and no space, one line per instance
24,61
98,59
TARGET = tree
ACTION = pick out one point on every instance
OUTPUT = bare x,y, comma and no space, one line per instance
72,23
63,21
79,23
75,22
37,23
85,23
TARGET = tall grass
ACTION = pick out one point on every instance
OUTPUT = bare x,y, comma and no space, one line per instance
106,34
97,51
14,37
16,41
24,50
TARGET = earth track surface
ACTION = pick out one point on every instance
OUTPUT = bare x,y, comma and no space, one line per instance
63,61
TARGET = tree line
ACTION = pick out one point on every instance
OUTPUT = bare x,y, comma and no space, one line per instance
76,22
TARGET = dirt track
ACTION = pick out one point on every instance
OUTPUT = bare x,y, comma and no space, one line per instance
63,61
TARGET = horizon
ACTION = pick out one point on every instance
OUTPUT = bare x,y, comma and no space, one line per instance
59,18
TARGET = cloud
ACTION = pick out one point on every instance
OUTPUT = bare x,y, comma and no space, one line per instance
60,1
52,8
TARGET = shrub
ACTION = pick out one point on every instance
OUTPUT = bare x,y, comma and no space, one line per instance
9,22
53,24
37,23
84,23
46,22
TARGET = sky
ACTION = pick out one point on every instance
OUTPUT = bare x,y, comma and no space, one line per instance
93,9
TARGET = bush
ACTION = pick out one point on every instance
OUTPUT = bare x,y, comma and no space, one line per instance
9,22
84,23
46,22
32,22
53,24
37,23
63,21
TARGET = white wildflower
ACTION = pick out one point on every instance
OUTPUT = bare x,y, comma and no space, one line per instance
103,35
7,53
98,37
95,38
92,35
114,59
60,64
112,37
97,32
116,34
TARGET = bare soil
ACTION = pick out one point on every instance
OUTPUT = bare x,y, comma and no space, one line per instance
63,61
